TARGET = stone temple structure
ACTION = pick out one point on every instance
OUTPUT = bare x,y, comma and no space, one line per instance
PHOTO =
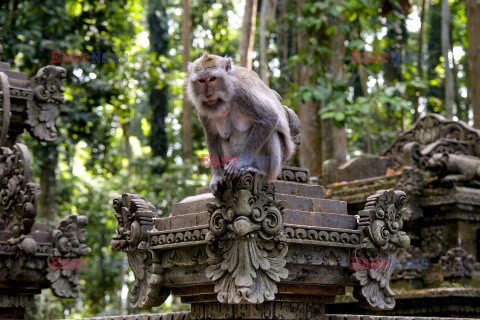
270,250
437,164
31,256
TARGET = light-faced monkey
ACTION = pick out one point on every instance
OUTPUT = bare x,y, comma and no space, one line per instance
241,117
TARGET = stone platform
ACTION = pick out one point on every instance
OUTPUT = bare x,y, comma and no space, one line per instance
265,250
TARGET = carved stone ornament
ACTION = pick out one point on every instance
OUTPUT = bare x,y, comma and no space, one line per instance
48,88
381,222
408,264
295,174
246,246
411,182
429,135
18,198
135,218
434,241
68,242
458,263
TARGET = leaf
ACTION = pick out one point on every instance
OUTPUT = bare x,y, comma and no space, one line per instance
353,17
339,116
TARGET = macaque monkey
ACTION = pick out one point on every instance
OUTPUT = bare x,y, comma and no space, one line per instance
242,119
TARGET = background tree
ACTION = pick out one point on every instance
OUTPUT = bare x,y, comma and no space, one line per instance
473,15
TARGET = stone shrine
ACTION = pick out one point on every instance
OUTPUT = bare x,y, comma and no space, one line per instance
437,165
30,254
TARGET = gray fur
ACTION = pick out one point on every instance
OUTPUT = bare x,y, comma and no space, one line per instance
249,103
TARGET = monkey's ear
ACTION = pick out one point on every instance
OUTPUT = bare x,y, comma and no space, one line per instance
190,68
228,65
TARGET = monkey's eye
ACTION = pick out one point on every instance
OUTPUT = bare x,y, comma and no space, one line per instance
202,80
212,79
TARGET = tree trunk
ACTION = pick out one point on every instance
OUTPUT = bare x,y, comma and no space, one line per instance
420,57
47,204
248,33
311,125
187,107
449,98
158,100
334,138
473,16
283,36
263,41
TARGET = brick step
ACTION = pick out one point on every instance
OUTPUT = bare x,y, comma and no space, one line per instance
296,217
182,221
199,202
290,188
313,204
192,204
320,219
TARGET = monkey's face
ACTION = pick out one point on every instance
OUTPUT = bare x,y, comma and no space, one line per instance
209,87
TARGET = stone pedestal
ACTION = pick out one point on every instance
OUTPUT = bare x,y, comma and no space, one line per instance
264,250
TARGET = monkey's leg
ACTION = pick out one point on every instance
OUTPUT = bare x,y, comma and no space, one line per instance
272,157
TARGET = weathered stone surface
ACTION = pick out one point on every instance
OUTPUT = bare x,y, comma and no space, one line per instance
286,187
192,204
331,206
321,219
157,316
362,167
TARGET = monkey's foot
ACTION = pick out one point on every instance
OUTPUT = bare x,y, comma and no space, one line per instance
235,170
218,187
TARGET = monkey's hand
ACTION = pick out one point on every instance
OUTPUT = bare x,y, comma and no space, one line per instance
218,187
236,168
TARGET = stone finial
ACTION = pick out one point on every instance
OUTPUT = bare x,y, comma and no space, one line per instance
135,219
48,88
381,222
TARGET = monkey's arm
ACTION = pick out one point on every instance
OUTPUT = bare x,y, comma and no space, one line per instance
214,148
263,113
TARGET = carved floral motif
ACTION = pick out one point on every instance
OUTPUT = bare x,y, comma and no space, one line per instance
246,246
381,221
48,88
135,218
68,242
18,198
457,263
411,182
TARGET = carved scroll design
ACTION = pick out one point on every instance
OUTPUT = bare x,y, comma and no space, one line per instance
324,236
18,198
448,135
5,112
381,222
457,263
186,236
246,246
135,219
295,174
48,88
68,242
